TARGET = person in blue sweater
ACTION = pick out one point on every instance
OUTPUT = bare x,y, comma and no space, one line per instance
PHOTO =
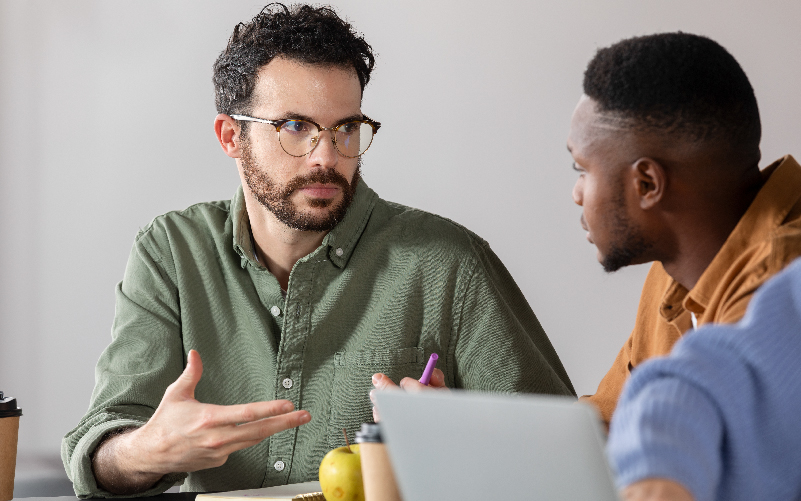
720,417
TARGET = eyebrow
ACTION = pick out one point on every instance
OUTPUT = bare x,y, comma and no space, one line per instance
291,115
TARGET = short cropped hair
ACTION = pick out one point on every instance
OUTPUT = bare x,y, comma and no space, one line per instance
677,83
311,35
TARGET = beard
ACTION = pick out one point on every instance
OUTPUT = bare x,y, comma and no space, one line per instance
276,197
628,243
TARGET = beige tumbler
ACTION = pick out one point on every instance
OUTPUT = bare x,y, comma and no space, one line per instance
9,430
377,475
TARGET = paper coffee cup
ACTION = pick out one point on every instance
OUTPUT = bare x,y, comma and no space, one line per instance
9,431
377,475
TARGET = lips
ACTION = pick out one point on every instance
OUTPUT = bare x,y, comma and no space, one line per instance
317,190
584,226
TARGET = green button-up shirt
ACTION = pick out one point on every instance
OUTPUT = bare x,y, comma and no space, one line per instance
388,286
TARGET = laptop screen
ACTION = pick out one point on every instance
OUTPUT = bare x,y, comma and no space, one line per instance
465,445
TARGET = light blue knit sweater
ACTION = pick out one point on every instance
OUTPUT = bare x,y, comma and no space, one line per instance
722,414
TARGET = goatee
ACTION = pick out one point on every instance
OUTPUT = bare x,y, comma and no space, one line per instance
276,197
629,242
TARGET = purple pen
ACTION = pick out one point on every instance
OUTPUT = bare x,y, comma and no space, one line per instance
432,362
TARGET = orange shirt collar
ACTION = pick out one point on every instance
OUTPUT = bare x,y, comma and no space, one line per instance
769,209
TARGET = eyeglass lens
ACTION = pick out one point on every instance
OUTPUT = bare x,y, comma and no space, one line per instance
351,139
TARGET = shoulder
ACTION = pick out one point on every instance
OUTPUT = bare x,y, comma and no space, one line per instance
763,346
785,244
777,210
426,232
766,258
198,224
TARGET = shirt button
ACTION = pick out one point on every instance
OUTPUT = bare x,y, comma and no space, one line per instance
279,466
340,251
287,383
275,310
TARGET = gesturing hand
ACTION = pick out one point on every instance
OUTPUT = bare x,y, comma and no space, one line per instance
185,435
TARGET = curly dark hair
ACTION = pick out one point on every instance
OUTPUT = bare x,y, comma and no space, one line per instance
312,35
677,83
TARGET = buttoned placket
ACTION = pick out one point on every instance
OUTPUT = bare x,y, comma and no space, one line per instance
292,316
295,319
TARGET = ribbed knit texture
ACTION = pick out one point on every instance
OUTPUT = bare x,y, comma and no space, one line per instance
388,286
722,414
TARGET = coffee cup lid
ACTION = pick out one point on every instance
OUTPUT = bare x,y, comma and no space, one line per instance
370,433
8,407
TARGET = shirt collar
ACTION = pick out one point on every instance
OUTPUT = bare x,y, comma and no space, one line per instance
779,194
340,241
240,223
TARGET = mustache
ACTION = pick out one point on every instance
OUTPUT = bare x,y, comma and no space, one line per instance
327,176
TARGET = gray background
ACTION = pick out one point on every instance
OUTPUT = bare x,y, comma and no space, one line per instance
107,110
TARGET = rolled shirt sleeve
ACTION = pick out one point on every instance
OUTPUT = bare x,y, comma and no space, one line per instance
720,413
134,371
667,428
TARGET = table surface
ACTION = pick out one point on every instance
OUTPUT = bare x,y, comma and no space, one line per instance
173,496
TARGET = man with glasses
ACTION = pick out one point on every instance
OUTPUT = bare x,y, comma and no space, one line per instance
298,292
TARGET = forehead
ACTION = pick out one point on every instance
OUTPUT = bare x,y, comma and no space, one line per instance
586,130
593,136
322,92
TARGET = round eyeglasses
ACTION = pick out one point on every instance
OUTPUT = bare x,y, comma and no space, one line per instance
299,137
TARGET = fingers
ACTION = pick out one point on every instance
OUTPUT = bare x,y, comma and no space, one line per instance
184,387
259,430
437,379
412,385
656,489
235,438
224,440
382,382
437,382
220,415
376,417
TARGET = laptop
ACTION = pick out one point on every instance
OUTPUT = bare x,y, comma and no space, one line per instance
462,445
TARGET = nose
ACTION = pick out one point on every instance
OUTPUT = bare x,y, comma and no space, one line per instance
324,153
578,192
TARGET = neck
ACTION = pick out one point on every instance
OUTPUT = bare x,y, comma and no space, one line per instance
702,232
278,246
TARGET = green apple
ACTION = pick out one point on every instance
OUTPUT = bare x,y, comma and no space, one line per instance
341,474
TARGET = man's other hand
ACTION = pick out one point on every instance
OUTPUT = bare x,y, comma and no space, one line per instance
382,382
656,489
185,435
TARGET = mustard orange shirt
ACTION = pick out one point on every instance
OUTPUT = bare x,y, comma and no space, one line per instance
766,239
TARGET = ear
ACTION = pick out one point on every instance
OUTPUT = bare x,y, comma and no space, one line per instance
227,131
650,180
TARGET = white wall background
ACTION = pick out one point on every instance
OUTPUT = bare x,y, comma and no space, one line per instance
106,112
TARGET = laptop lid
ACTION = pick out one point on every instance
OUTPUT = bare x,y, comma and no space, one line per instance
461,445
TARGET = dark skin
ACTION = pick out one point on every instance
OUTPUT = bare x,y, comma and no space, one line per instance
682,197
685,197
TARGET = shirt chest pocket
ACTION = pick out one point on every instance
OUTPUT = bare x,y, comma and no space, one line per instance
353,372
